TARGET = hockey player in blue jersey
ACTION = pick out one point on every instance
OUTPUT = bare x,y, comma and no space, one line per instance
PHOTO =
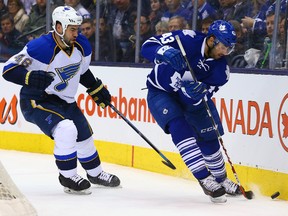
50,69
175,99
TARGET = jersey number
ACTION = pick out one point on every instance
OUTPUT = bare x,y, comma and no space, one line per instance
167,38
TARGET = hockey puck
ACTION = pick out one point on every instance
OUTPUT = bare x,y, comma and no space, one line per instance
275,195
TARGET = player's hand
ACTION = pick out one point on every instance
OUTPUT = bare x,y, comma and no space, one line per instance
39,79
171,56
100,94
194,90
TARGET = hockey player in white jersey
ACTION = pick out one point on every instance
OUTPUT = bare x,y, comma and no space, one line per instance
50,69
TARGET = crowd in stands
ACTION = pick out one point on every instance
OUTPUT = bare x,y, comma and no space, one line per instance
253,20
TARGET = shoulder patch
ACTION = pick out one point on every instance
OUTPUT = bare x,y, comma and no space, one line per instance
83,45
35,48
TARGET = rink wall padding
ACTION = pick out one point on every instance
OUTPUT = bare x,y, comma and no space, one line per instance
253,113
260,181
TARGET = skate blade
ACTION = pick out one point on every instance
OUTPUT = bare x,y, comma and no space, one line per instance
82,192
220,199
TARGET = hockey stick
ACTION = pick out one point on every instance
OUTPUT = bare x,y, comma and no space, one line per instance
246,194
166,161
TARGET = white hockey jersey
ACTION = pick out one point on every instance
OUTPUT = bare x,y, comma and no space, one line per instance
45,54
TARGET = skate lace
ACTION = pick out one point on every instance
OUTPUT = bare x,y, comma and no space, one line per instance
210,184
77,179
229,186
105,176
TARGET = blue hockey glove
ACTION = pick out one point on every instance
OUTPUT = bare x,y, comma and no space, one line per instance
194,90
171,56
39,79
100,94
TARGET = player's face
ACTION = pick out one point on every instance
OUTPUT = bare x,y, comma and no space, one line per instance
220,50
71,34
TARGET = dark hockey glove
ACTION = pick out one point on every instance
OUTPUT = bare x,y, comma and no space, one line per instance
99,94
194,90
171,56
39,79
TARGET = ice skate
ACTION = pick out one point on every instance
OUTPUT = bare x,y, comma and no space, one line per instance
75,185
231,188
105,179
213,189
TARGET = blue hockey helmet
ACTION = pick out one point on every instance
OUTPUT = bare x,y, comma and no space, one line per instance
224,32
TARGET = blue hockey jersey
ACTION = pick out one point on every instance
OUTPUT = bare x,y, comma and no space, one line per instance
212,72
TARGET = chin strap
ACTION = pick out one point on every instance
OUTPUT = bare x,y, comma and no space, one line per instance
62,38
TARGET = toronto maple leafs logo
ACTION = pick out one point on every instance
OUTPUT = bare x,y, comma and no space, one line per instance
66,73
222,27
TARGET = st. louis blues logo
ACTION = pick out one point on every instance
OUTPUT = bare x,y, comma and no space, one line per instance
66,73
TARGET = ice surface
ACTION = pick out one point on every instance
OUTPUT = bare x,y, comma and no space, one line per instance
141,193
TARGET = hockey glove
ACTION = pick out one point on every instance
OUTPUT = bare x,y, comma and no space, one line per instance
171,56
39,79
194,90
99,94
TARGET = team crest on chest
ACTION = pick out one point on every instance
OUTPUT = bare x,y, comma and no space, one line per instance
66,73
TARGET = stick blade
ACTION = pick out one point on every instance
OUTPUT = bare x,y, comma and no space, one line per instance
249,195
169,164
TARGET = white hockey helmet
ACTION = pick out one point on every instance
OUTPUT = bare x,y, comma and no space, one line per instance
66,15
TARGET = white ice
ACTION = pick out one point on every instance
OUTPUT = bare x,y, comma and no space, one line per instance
141,193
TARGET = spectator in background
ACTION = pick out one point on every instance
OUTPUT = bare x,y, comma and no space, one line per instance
226,9
263,62
256,26
27,4
241,9
88,30
3,8
121,22
236,58
16,10
177,23
9,45
88,4
36,24
282,32
107,52
283,40
215,4
204,9
161,28
157,10
174,7
145,33
79,8
205,23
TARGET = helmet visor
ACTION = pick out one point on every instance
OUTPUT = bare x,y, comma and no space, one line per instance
226,50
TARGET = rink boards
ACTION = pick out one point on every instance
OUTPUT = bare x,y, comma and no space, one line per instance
253,109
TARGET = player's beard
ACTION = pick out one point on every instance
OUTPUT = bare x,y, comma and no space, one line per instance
214,54
68,42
